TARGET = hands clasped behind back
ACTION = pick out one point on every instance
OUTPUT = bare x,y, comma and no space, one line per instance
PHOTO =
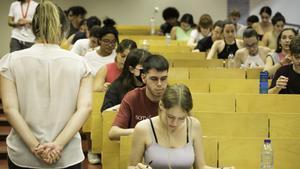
49,153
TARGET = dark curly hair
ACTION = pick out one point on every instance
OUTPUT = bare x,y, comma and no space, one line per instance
109,28
170,13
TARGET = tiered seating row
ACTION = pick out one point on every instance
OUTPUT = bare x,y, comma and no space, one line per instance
183,73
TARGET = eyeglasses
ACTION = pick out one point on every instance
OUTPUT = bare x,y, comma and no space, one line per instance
108,42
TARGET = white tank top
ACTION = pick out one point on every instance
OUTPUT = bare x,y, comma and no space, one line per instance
253,62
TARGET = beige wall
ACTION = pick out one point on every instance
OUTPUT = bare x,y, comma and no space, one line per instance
130,12
289,8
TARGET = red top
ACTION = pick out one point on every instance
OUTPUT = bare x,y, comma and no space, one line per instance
113,72
135,107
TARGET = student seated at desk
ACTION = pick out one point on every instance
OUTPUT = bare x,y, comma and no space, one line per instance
142,103
287,78
173,139
228,45
110,72
281,56
269,39
203,30
129,79
252,55
183,32
264,25
170,15
205,44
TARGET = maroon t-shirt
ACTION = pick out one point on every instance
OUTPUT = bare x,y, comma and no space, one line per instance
135,106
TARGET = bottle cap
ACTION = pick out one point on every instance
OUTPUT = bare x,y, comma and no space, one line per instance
267,141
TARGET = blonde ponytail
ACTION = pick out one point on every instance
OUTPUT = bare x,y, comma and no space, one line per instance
48,23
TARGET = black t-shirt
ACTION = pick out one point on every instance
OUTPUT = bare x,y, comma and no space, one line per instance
293,85
112,96
166,27
204,44
115,94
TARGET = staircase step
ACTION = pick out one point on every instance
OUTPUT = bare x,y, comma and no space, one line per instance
3,120
4,131
1,107
3,150
3,164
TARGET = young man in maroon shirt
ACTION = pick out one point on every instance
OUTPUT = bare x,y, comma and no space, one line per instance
142,103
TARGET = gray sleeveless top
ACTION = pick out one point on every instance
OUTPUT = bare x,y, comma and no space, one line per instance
161,157
275,57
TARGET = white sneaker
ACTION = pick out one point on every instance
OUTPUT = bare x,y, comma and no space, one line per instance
93,158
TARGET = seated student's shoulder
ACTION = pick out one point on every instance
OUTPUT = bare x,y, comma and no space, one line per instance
142,127
240,43
135,94
219,42
194,121
82,42
241,52
143,124
285,70
255,25
265,49
196,125
91,54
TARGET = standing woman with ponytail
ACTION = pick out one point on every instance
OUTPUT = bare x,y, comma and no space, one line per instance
46,95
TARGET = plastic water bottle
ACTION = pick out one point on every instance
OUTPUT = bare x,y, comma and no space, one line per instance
168,39
152,26
230,60
263,83
266,161
145,45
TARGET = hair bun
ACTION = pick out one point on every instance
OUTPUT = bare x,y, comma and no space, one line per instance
108,22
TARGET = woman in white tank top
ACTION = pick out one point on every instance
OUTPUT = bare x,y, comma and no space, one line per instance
171,140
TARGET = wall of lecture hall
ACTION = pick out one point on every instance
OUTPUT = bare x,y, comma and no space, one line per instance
289,8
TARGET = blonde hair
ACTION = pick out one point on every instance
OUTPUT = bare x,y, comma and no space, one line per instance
49,23
178,95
